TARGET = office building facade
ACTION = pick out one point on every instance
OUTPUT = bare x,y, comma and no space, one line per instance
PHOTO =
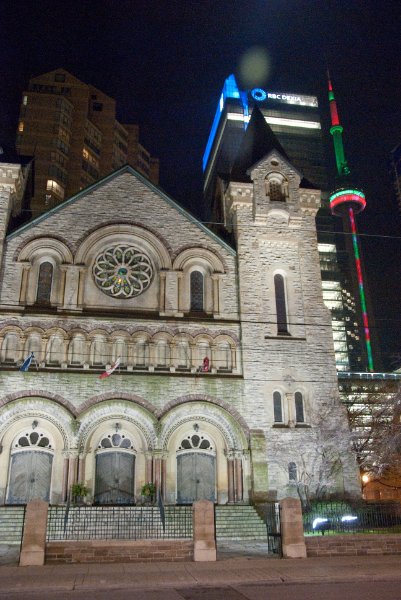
294,120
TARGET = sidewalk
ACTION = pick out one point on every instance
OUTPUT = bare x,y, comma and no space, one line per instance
230,571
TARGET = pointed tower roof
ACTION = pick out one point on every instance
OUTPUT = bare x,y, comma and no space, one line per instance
257,142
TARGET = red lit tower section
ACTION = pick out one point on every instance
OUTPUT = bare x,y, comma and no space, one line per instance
345,202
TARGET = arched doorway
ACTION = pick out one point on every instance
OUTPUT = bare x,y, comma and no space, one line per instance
196,469
115,470
30,467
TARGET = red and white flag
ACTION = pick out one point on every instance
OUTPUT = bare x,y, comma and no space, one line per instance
111,369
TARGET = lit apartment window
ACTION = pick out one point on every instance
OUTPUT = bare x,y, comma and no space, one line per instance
25,100
85,153
21,126
56,188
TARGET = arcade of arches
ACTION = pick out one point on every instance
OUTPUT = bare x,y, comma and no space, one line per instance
194,450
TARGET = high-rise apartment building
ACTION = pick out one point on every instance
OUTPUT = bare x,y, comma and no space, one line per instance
71,130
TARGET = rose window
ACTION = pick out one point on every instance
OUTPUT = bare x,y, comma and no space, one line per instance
123,271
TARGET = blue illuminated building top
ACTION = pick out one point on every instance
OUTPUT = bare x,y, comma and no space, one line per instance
230,90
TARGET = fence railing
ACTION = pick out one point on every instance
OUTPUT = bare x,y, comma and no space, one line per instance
118,522
270,512
325,518
12,519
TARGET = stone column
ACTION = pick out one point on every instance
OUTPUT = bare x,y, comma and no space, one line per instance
260,480
292,530
81,285
69,297
64,485
72,471
24,281
81,467
230,468
216,294
239,493
162,292
157,472
180,276
164,477
290,408
148,468
60,299
34,536
204,531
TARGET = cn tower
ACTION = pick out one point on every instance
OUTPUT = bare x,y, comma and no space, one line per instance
346,201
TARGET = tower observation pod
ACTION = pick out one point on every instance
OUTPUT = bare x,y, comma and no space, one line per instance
345,202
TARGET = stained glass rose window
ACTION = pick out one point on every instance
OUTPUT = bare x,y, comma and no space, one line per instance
123,271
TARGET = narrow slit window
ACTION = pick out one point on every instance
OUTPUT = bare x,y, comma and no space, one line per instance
45,279
281,307
197,293
278,407
299,408
292,472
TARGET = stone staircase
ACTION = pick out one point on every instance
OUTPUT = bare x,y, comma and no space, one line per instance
239,522
11,524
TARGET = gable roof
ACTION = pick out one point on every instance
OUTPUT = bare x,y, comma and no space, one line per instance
107,179
258,141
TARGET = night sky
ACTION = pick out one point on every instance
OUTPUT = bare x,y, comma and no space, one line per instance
165,63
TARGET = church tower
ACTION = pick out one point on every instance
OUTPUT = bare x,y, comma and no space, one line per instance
289,363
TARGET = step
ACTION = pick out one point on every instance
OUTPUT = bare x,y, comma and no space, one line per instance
239,522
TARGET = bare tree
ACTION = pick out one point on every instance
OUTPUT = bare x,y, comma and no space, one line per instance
317,470
376,432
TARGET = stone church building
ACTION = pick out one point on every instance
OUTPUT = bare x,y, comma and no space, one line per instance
225,383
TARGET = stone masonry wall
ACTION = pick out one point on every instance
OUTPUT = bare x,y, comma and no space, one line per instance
353,545
117,551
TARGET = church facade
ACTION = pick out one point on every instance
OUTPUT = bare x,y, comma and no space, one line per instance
162,354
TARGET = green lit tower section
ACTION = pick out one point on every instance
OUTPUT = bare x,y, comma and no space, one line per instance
345,202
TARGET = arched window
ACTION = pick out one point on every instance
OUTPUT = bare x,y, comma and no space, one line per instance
141,353
276,192
277,407
120,351
162,353
183,355
292,472
299,408
223,357
77,350
45,279
197,292
99,352
10,348
55,350
281,307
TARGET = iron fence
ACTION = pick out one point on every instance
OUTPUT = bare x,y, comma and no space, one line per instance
270,512
118,522
346,517
12,519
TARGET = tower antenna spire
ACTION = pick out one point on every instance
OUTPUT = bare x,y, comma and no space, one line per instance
336,131
346,201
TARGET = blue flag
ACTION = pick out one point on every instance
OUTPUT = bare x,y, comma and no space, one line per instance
27,363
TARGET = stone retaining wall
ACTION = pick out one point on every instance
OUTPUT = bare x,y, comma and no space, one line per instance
110,551
353,545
